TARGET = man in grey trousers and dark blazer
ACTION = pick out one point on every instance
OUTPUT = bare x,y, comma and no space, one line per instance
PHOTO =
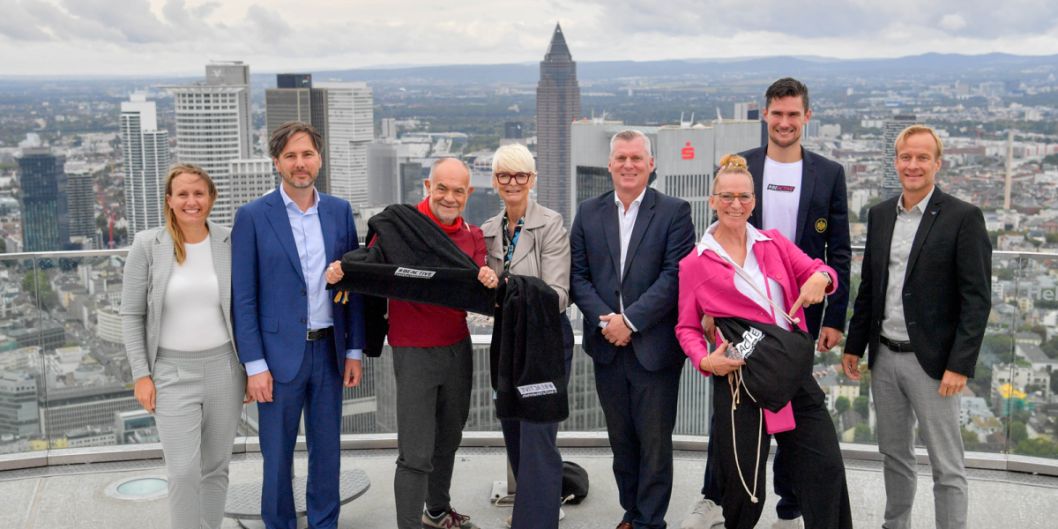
921,312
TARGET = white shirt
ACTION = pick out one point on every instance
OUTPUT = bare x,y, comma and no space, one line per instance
192,319
752,269
894,325
782,195
626,221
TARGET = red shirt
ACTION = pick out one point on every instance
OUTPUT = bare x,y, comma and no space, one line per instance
422,325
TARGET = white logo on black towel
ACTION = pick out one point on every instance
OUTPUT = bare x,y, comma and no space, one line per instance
749,342
413,273
537,390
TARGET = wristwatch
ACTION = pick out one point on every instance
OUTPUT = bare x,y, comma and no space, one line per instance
827,275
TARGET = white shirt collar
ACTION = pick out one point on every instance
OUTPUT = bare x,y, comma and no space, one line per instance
921,206
708,242
638,200
287,201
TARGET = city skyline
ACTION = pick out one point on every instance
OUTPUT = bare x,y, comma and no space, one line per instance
170,37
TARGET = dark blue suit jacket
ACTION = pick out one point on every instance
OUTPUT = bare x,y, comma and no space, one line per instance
269,305
822,226
663,234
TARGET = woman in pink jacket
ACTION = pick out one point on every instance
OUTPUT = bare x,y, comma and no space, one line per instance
739,271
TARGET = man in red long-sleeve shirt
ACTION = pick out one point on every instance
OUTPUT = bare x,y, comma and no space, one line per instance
433,365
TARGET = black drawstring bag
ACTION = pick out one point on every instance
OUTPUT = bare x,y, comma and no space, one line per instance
777,361
574,483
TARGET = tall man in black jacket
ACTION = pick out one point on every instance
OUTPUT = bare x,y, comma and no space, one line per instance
921,313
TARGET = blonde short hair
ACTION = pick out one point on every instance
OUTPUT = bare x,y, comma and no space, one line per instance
917,129
513,158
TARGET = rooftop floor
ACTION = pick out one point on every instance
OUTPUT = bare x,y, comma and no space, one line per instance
75,495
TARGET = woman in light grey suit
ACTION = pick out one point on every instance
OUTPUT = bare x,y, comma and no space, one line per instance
175,310
529,239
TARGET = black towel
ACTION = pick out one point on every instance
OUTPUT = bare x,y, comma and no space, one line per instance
411,259
527,356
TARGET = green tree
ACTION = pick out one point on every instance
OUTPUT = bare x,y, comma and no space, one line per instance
36,282
1000,345
1018,432
865,382
862,433
861,406
1038,447
842,405
1050,347
970,440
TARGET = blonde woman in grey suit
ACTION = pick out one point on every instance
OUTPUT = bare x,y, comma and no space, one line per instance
530,240
175,309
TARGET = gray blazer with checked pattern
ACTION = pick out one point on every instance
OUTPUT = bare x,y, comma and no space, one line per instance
147,270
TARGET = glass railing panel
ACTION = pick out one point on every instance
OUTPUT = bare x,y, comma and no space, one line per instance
22,384
1023,388
985,412
87,399
65,373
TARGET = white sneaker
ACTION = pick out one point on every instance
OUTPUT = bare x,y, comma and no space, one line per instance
796,523
704,514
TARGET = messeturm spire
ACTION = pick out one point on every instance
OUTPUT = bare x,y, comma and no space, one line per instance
557,105
558,50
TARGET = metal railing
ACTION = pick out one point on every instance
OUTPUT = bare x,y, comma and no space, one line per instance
66,391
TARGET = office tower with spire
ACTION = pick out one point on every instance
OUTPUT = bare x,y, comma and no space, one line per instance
893,127
45,220
146,159
295,99
213,128
348,127
557,105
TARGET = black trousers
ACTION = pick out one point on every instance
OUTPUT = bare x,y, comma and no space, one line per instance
810,453
713,485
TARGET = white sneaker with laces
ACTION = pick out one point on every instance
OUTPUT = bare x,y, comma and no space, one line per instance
796,523
704,514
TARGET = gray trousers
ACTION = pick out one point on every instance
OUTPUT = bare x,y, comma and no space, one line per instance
199,399
903,392
433,402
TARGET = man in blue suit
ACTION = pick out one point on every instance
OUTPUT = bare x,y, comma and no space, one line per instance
298,346
626,246
801,194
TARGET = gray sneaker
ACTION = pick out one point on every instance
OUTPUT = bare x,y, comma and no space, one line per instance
704,514
796,523
450,519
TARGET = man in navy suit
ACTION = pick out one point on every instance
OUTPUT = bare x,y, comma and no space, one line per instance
298,345
801,194
626,246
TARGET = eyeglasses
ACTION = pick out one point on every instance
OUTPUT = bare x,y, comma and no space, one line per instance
727,198
505,178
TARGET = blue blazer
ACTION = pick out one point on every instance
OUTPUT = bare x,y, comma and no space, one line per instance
822,226
663,234
269,305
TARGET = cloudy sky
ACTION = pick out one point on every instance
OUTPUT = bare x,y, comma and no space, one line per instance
161,37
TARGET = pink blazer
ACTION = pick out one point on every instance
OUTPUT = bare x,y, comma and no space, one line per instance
707,286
